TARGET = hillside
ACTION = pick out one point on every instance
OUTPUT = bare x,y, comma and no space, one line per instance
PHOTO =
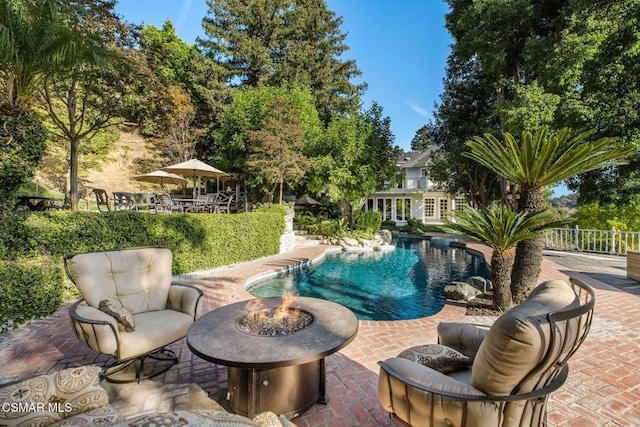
130,156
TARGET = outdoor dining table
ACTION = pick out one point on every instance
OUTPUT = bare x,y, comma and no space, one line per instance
38,203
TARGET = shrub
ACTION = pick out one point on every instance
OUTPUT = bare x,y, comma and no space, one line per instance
308,221
369,221
29,290
330,228
388,225
414,226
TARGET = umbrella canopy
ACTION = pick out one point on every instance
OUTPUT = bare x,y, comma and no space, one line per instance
195,168
160,177
306,200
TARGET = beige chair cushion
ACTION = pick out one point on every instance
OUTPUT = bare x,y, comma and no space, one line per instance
517,340
465,338
154,329
138,278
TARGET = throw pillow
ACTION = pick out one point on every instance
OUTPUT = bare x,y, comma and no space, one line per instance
121,314
437,357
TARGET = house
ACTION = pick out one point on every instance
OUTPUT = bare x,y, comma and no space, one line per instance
415,196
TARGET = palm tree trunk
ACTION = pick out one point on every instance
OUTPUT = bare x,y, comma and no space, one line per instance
528,258
526,268
501,265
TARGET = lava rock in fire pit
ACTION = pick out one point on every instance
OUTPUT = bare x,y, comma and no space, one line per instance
275,322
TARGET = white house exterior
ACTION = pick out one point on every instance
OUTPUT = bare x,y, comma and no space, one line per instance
416,197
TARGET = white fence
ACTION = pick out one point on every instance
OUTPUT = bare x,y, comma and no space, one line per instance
611,242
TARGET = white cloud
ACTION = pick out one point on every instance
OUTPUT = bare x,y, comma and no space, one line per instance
418,109
184,12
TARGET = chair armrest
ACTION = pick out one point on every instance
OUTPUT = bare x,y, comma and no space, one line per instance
95,328
185,299
430,381
463,337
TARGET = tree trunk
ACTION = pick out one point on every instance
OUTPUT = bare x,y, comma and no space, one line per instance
528,259
501,264
74,149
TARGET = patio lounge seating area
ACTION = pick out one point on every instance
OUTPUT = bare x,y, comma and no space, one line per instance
602,387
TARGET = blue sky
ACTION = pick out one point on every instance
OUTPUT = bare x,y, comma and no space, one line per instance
400,47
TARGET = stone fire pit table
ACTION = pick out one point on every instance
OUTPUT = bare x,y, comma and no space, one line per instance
284,374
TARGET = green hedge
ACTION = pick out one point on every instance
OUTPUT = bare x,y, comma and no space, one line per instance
198,242
29,290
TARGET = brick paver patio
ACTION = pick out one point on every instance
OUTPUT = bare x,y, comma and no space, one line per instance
603,388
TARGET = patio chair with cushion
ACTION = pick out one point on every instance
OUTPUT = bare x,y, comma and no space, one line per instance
129,309
500,376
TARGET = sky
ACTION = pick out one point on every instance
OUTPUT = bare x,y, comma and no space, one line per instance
400,47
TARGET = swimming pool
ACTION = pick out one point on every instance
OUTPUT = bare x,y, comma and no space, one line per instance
400,285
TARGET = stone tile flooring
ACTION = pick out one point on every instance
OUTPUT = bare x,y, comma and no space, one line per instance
603,388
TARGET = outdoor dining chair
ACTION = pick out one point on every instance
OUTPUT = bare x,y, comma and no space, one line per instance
102,200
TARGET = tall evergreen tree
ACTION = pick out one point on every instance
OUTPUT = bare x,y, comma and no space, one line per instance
273,42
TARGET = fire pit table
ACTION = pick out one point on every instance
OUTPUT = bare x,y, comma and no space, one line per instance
282,371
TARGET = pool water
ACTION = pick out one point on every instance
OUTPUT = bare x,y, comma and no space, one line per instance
400,285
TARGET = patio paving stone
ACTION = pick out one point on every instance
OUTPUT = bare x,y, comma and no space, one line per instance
603,388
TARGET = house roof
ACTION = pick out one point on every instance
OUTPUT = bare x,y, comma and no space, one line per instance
413,159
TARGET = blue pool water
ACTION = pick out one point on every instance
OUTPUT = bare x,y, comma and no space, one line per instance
404,284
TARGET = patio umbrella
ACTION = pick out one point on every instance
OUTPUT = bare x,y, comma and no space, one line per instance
160,177
196,169
306,200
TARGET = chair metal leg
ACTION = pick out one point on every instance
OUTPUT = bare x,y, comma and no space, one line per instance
166,358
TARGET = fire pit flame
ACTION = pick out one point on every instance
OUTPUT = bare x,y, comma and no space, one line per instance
281,320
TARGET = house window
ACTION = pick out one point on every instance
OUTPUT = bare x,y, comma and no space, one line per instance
429,208
387,209
370,204
424,172
444,208
380,207
406,209
460,202
403,209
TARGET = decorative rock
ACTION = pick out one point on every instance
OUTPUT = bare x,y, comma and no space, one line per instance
384,248
480,283
385,235
461,291
348,241
357,248
365,243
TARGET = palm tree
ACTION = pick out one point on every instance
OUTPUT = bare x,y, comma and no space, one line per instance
538,161
501,229
35,40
